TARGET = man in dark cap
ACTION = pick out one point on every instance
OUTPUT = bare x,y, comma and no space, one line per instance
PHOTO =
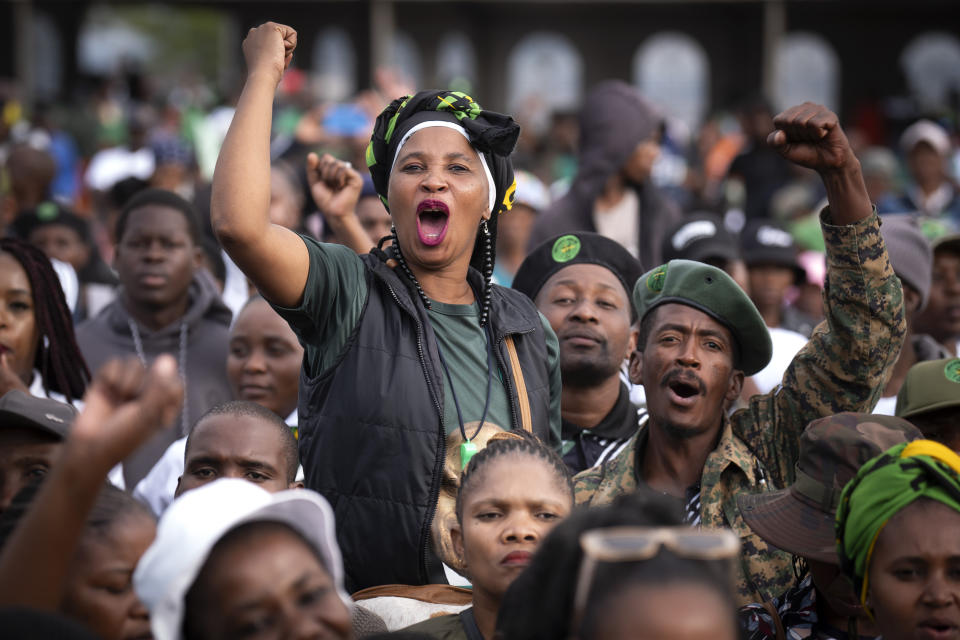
32,431
63,235
930,399
612,193
700,335
703,238
801,519
581,283
941,318
772,267
912,261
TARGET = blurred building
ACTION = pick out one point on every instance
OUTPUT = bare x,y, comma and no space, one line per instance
533,56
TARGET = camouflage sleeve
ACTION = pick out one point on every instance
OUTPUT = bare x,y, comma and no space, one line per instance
585,485
847,361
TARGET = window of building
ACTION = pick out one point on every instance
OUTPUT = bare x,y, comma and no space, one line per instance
671,69
334,64
807,70
544,74
456,62
931,64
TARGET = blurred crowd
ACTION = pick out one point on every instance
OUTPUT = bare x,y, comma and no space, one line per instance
134,349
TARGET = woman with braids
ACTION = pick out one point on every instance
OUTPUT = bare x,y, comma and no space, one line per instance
402,346
512,493
898,538
38,350
665,593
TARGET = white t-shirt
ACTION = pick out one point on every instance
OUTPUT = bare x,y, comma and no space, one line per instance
621,222
786,344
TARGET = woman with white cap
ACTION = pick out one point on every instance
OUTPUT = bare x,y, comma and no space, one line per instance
233,561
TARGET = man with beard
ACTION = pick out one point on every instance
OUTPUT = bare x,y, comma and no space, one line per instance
700,335
581,283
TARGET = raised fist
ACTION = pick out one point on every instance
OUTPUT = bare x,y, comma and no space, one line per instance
334,185
269,48
810,136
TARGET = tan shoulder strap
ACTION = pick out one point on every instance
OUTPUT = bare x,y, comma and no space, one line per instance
777,622
526,421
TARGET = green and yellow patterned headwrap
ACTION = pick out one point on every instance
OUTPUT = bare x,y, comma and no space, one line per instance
493,135
882,488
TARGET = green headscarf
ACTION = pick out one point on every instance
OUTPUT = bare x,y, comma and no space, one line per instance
881,489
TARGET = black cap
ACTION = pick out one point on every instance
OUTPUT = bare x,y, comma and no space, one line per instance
45,213
582,247
21,410
700,237
766,241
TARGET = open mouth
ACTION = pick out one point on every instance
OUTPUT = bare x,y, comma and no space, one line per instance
432,221
682,392
938,629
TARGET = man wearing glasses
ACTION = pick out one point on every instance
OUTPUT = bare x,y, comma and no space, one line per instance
699,335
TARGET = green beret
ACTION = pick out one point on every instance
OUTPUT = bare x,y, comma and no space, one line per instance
930,386
712,291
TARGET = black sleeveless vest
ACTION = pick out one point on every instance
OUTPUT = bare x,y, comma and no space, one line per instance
372,439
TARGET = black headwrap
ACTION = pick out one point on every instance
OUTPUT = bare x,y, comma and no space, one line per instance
492,134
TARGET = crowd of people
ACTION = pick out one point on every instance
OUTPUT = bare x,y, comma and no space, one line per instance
402,369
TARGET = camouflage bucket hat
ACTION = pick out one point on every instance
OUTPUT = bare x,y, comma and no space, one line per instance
801,518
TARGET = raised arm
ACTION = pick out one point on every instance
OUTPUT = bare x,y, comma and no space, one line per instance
124,406
274,258
848,359
810,136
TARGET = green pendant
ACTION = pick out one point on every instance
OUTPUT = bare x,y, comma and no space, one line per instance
467,451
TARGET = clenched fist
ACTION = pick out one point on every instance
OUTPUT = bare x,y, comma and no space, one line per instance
810,136
269,48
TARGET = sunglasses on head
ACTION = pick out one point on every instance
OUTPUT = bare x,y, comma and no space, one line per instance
635,544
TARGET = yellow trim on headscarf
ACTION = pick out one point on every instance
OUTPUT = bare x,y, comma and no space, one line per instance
935,450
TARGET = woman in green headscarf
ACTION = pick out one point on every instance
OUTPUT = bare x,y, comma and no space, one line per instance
898,537
402,346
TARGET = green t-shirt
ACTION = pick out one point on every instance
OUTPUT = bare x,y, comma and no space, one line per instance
333,301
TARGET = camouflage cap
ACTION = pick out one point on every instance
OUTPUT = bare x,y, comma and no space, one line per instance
712,291
930,386
800,518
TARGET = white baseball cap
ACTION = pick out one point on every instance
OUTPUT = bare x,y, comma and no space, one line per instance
195,522
926,131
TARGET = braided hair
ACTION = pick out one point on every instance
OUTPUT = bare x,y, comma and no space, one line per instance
58,358
502,444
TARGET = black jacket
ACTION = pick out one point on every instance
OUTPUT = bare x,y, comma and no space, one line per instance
372,439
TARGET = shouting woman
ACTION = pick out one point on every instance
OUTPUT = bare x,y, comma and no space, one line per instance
401,347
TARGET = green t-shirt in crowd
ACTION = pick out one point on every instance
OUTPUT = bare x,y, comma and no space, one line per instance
333,301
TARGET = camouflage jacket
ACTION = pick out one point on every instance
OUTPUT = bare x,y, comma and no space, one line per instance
843,367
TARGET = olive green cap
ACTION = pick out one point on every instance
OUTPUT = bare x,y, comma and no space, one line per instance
712,291
929,386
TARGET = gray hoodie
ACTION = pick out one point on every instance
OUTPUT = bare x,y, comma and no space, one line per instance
614,119
205,327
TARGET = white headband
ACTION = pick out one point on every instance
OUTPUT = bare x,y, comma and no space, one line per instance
461,131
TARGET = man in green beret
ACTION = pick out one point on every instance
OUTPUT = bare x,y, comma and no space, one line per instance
930,399
699,335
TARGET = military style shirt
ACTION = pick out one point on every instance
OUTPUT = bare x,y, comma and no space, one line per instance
843,367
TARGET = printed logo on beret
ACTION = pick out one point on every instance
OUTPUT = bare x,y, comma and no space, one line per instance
565,248
952,370
655,279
